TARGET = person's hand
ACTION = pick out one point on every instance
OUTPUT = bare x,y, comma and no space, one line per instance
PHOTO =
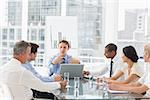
99,80
58,77
58,59
113,86
86,73
63,85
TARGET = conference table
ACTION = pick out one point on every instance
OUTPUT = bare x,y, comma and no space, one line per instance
92,90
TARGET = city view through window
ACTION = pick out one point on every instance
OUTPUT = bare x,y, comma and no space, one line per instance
88,25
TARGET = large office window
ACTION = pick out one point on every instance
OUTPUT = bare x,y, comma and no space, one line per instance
89,14
133,24
127,22
14,12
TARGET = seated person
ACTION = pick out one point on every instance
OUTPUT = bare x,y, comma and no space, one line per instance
110,52
143,84
61,58
133,71
19,79
28,66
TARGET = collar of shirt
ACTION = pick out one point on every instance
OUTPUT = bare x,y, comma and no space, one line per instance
115,58
15,61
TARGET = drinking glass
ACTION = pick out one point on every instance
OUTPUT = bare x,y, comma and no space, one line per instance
76,83
91,81
66,77
76,86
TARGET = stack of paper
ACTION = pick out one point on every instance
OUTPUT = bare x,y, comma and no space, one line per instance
116,91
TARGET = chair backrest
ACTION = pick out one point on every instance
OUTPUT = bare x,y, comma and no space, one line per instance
5,93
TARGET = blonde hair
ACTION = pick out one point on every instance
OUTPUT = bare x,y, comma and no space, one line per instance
147,48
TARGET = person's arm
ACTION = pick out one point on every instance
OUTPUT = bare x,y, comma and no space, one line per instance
52,67
101,71
52,78
29,80
135,74
135,84
130,78
51,61
139,89
127,87
29,67
46,79
57,59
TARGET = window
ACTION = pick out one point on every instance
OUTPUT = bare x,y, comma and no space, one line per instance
4,34
11,44
132,27
33,34
41,34
19,35
4,51
42,46
11,34
4,44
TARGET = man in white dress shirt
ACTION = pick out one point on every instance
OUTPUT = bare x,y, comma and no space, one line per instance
115,64
109,68
19,80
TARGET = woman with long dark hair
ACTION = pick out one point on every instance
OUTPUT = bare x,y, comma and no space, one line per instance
133,71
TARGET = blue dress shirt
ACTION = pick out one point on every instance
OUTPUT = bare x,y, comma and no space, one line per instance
29,67
55,68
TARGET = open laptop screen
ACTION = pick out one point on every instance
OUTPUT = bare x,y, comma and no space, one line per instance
75,70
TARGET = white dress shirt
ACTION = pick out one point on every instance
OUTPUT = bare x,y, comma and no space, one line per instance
20,81
104,70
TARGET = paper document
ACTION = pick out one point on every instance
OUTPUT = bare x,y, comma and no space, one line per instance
116,91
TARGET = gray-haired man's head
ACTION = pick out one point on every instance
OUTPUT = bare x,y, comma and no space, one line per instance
21,51
20,47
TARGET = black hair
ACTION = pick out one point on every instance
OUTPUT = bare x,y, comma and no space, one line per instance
111,47
130,52
66,42
34,47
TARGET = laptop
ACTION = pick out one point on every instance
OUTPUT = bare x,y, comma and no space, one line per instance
75,70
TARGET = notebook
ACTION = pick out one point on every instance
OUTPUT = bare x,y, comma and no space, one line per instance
75,70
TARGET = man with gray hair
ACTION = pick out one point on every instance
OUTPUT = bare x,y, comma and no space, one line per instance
19,80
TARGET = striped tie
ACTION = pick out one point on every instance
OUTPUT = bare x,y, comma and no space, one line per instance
63,61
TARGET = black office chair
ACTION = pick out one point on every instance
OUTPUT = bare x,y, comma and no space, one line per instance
43,95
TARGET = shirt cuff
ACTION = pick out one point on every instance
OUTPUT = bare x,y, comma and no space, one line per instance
52,77
56,86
